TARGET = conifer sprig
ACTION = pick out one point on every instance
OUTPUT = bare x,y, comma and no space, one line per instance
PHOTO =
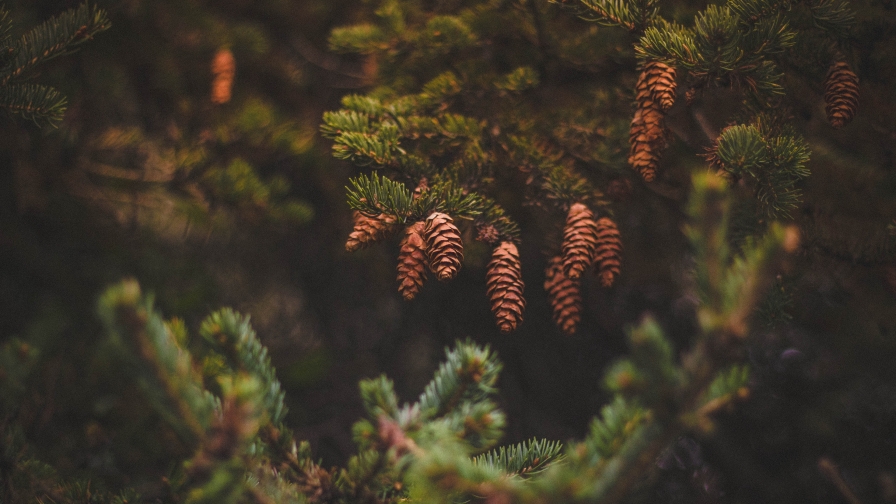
165,370
42,105
633,15
375,195
60,35
773,165
469,374
230,334
54,37
717,50
524,459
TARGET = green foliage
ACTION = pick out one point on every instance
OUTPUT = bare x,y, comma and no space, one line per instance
634,15
42,105
468,375
229,334
728,383
617,423
166,372
524,459
773,165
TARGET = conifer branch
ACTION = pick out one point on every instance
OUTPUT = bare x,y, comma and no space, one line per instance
633,15
375,195
230,334
55,37
468,375
40,104
524,459
165,371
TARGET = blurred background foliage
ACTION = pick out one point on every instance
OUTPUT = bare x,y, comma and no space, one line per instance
242,204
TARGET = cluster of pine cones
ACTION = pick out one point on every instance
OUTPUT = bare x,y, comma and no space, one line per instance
586,242
655,95
435,245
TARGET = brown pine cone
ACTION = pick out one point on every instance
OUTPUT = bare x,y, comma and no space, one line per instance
656,84
368,230
504,286
412,261
446,251
223,70
647,138
841,94
579,240
564,296
607,252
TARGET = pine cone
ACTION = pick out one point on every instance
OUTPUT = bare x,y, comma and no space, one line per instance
412,261
579,240
446,251
657,85
841,94
647,138
564,296
368,230
606,254
223,70
504,285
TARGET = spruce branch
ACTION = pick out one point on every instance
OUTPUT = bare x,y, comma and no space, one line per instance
359,39
773,165
835,16
729,385
524,459
633,15
618,421
479,424
335,123
468,374
42,105
375,195
378,397
55,37
165,371
230,334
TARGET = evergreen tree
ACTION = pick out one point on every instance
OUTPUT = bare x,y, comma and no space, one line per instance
657,154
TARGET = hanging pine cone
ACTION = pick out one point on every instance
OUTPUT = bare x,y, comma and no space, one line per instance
564,296
223,70
656,84
446,251
607,252
841,94
504,286
412,261
579,240
647,138
368,230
